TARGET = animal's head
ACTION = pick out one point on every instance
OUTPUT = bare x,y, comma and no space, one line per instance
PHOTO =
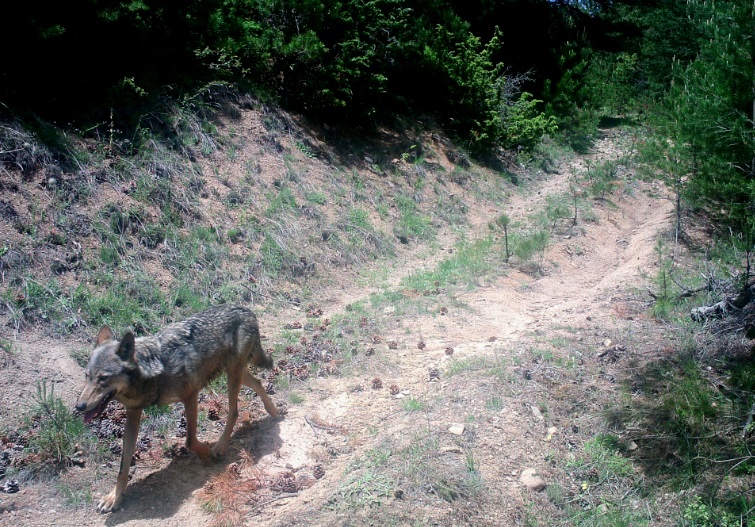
113,362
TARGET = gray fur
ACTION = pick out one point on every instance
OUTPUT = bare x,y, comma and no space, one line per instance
174,365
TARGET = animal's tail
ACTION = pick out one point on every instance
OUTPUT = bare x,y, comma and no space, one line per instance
259,357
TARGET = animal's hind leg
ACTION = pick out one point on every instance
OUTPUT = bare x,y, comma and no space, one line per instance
234,386
255,384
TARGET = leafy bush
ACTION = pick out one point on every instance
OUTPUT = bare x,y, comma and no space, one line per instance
522,124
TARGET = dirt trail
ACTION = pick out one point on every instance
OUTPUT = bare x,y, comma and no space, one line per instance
585,277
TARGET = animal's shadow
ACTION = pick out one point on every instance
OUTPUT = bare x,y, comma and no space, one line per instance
161,493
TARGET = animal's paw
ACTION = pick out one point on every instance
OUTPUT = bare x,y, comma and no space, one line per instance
278,411
219,448
109,502
201,450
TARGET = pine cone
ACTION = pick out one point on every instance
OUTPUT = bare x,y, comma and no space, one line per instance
370,351
443,310
376,339
11,486
449,350
286,482
392,345
290,486
181,432
177,450
434,374
212,415
421,344
377,383
318,472
395,389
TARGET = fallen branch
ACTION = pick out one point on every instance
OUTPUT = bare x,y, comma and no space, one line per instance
686,292
719,309
689,292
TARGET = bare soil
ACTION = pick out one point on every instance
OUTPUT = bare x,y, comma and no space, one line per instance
532,411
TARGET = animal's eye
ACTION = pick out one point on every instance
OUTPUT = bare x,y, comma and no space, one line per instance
102,377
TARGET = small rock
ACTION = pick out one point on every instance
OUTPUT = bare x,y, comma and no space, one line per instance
456,429
531,480
632,446
551,431
607,343
389,310
537,413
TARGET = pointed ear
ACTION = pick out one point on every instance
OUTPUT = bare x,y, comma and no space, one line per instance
127,348
103,336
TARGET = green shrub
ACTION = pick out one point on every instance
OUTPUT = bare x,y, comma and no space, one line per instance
54,430
523,124
533,244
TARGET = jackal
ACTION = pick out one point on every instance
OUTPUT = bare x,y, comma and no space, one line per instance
174,365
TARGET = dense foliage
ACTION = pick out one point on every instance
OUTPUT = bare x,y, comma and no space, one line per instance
347,60
686,67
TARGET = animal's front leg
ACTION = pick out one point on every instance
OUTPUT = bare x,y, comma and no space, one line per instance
234,386
192,413
130,433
